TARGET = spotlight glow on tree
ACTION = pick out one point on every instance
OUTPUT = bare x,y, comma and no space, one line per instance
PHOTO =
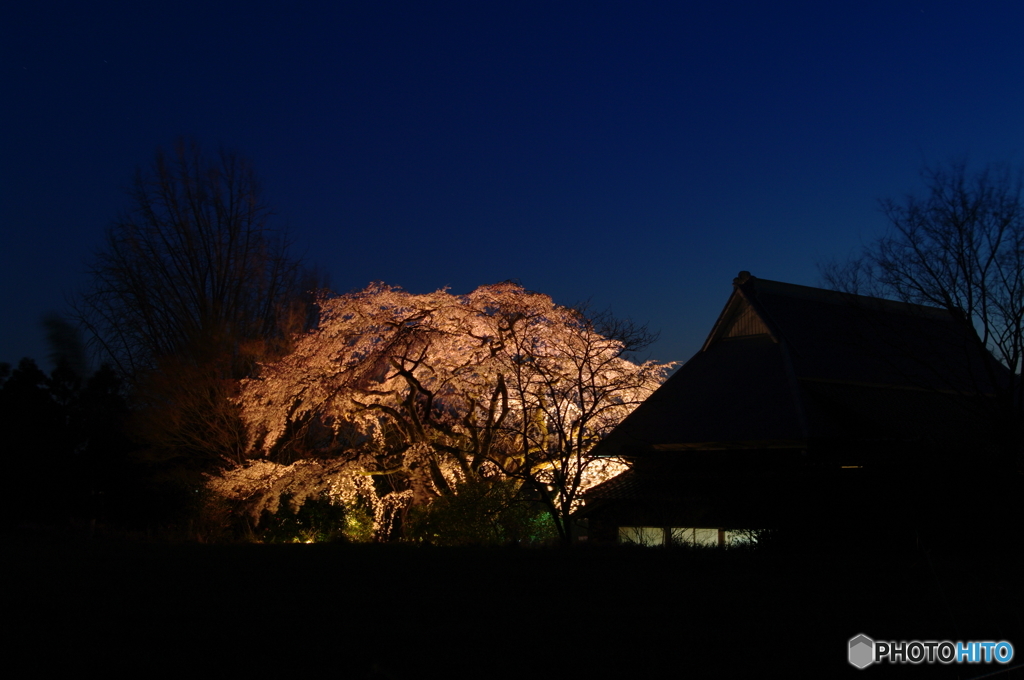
397,399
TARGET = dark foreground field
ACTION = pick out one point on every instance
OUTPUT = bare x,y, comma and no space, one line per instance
402,612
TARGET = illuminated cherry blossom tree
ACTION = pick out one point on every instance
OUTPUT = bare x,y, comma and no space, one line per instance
396,399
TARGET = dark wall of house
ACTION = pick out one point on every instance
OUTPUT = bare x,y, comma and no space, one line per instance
935,500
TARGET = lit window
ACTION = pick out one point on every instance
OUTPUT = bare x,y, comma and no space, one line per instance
695,536
642,535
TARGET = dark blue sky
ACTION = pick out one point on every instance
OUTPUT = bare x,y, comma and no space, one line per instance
635,154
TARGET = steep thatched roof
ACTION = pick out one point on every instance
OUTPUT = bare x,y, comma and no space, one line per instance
800,368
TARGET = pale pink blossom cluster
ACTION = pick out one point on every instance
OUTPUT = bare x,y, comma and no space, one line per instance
397,398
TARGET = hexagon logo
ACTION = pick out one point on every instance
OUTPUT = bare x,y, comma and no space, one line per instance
862,651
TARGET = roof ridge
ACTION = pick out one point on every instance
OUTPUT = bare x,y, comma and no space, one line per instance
837,297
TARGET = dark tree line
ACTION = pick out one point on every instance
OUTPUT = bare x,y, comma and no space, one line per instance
65,446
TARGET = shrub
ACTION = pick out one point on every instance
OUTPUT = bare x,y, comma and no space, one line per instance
317,521
488,512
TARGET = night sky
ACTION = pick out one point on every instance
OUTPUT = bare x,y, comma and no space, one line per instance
637,155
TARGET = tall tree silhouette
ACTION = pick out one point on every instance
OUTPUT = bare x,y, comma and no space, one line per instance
192,287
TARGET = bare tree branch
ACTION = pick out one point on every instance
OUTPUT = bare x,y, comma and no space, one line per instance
960,247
